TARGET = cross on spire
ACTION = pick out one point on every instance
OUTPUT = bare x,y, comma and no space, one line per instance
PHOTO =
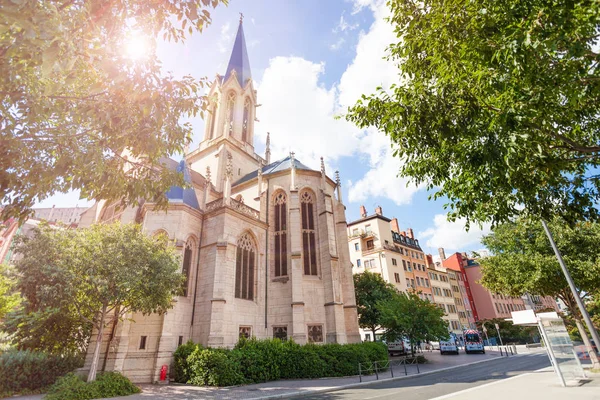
241,18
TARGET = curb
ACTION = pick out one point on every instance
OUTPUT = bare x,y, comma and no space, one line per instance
296,394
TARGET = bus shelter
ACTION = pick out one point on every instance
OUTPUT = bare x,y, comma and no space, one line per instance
559,346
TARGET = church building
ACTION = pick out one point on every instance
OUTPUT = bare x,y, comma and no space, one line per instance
264,244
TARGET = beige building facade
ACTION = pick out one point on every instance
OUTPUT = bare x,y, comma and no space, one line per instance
377,245
263,244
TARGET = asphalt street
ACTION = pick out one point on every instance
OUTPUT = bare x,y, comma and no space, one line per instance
442,383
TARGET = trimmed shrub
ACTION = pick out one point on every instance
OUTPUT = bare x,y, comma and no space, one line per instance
30,371
254,361
180,370
214,367
107,384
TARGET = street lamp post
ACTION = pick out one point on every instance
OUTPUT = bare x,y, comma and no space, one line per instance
499,337
580,304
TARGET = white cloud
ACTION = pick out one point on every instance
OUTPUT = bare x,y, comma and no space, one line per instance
226,38
452,235
336,46
344,26
299,112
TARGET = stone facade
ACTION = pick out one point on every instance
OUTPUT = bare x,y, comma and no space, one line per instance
252,268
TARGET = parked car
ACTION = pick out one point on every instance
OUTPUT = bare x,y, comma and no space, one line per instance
449,346
397,348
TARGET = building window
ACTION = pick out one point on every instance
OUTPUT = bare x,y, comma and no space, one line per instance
415,266
213,117
370,245
180,341
244,268
246,121
245,332
309,248
355,232
412,283
367,337
187,263
404,264
356,246
230,111
397,277
407,282
358,263
368,228
280,235
143,342
394,262
315,333
280,332
426,282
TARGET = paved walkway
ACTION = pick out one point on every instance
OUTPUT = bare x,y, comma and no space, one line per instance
542,385
280,389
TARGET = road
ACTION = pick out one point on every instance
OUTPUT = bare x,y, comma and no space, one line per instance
442,383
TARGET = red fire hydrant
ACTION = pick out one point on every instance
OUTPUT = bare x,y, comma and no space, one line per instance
163,373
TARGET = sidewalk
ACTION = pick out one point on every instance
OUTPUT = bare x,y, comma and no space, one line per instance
280,389
542,384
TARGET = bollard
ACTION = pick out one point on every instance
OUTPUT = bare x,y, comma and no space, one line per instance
405,370
501,354
418,370
359,373
511,352
506,351
376,372
391,367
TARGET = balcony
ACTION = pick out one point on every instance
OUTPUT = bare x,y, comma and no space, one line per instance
362,234
235,205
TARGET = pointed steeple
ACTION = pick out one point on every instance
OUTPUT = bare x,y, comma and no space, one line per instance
239,57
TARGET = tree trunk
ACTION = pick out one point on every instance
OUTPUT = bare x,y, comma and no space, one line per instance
588,344
94,366
374,338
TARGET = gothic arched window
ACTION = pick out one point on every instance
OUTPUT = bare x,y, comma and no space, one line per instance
280,235
112,212
309,248
245,261
213,117
187,265
230,111
246,121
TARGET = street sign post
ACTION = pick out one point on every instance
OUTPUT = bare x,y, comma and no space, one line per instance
499,337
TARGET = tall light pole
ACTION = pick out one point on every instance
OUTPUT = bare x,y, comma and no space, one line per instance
584,313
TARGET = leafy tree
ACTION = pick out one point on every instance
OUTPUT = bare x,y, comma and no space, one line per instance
370,289
9,299
498,105
72,99
510,333
104,271
406,315
522,262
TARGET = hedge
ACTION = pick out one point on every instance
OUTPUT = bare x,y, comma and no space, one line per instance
30,371
254,361
107,384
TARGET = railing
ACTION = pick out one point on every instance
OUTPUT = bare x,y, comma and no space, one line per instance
234,204
362,234
244,209
377,367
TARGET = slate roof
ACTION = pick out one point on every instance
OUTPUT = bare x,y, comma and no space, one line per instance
276,166
239,59
177,194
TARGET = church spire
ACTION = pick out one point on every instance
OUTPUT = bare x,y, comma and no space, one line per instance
238,61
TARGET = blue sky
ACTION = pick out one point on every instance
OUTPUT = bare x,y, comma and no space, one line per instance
311,59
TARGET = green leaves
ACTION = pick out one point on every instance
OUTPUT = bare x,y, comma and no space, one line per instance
523,261
407,315
79,113
497,109
68,276
370,289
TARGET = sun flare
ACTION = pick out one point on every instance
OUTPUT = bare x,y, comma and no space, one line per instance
137,46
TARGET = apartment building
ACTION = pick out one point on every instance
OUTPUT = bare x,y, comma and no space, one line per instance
444,298
463,318
66,215
483,303
456,262
377,245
